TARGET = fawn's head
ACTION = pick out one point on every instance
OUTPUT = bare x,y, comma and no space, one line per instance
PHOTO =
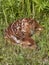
35,26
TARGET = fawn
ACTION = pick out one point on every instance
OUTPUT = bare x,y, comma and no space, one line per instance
20,31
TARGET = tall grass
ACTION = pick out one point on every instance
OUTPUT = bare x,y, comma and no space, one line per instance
13,9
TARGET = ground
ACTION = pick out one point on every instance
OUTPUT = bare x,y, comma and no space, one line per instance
17,55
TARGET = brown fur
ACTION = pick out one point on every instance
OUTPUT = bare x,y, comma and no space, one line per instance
22,30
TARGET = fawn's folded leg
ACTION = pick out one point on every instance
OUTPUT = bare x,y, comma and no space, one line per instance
28,41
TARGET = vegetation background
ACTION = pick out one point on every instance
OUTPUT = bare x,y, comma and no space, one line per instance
11,10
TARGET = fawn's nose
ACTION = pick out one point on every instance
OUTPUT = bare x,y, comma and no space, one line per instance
40,29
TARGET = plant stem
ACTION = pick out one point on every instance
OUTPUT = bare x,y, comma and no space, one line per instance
33,11
4,15
28,7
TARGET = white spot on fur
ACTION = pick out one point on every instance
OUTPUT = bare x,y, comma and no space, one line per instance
26,24
15,39
18,28
23,30
24,19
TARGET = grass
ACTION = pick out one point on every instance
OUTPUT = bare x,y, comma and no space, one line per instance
14,54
